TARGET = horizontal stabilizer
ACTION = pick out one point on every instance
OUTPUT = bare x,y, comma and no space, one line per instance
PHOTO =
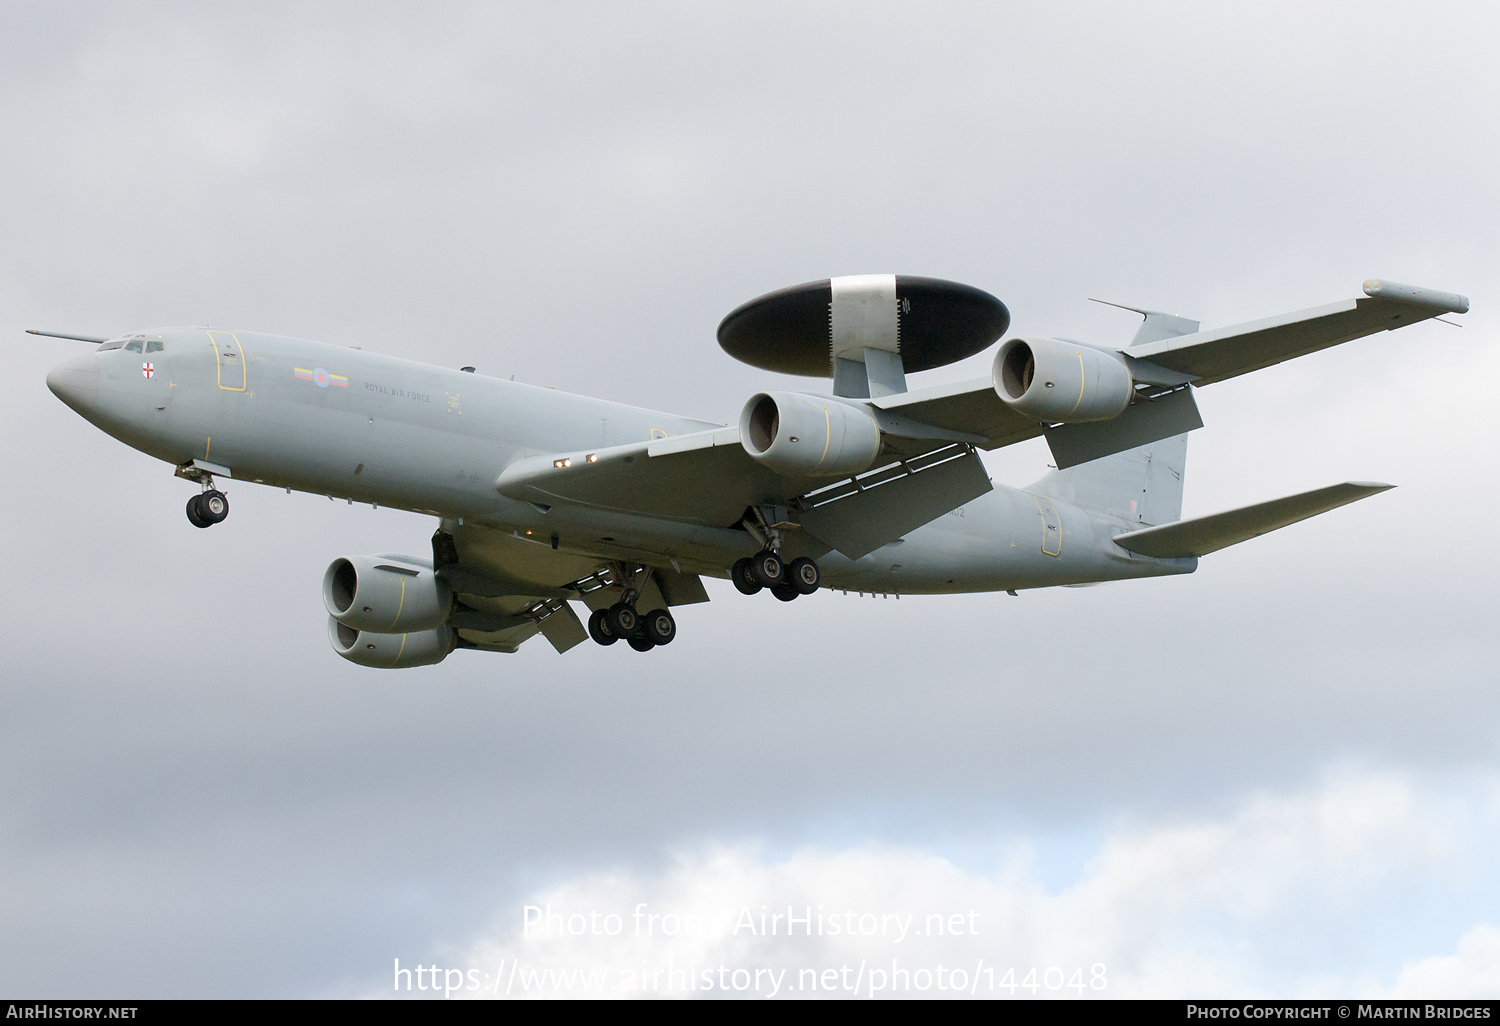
1202,535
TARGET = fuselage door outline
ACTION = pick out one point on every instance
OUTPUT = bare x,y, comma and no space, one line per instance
229,361
1051,527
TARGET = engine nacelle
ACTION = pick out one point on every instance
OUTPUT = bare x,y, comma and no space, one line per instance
807,435
391,651
385,594
1059,382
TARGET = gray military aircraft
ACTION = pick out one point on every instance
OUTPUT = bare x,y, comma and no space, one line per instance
545,498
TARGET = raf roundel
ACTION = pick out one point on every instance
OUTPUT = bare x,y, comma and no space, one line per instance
320,377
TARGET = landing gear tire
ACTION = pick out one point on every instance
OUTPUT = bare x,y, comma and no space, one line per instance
659,626
767,569
598,628
640,643
620,619
213,506
785,592
194,515
744,580
802,574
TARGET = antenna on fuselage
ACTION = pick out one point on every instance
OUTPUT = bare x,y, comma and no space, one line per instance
1118,306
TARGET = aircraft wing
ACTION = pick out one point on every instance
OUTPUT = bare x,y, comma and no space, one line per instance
1209,356
975,406
706,478
1165,366
968,408
701,478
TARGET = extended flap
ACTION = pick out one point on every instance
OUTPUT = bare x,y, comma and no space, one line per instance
858,516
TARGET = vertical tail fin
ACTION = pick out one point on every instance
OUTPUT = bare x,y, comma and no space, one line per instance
1141,485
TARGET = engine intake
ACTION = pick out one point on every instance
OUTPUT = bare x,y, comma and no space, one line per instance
391,651
809,436
1059,382
385,594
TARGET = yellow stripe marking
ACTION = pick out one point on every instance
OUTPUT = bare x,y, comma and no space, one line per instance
1080,385
827,436
399,606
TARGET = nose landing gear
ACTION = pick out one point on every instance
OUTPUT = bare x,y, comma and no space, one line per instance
211,506
207,509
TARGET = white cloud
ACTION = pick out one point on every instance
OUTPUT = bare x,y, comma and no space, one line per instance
1285,895
1471,972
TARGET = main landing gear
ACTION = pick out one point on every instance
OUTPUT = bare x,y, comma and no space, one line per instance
642,632
765,570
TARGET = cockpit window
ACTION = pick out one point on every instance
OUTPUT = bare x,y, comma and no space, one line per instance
112,344
133,346
153,346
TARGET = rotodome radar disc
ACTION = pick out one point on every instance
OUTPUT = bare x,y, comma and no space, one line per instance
936,323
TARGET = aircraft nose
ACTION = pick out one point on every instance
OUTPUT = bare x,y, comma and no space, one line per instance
76,382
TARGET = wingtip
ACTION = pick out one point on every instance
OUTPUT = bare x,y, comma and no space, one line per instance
1380,288
1371,486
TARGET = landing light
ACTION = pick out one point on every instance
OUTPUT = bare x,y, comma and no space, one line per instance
592,457
560,464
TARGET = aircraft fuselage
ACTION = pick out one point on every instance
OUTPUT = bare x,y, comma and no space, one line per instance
365,427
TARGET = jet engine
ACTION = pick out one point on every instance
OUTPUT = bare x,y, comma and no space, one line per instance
1059,382
391,651
809,436
386,594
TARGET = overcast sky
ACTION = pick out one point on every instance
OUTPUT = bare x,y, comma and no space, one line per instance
1276,776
